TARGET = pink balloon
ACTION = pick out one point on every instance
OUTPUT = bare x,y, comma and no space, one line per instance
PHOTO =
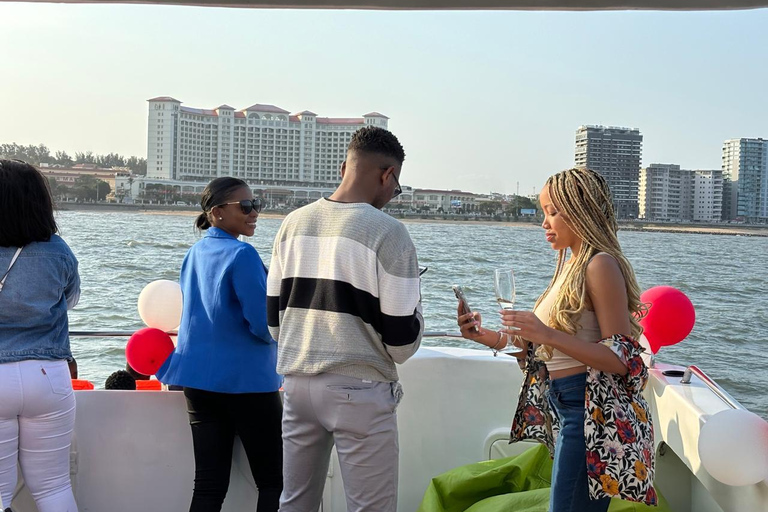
148,349
670,316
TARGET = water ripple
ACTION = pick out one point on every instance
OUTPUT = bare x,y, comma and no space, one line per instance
724,277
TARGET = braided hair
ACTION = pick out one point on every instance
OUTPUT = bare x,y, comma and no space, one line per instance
583,196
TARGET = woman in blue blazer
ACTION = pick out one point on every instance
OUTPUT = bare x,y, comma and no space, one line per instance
225,358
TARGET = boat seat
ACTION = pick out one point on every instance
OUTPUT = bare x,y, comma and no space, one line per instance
497,445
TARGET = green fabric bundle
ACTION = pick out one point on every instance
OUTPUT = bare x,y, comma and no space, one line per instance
519,484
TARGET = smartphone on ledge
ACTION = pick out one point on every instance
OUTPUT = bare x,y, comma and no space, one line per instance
465,309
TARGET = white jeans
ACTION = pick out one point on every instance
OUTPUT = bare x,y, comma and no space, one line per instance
37,417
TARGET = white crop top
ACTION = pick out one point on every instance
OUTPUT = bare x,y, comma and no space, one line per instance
588,330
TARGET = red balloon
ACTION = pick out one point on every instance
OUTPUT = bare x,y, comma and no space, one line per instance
670,316
148,349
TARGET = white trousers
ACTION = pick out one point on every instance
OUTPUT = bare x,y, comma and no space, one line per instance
37,418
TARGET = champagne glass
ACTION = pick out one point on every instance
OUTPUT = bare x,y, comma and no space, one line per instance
504,281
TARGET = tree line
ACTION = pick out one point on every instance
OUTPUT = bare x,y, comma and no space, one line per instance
85,188
512,208
40,154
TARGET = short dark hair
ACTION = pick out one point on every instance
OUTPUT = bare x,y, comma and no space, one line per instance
373,139
133,373
26,205
121,379
216,192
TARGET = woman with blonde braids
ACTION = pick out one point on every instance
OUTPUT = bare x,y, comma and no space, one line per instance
583,372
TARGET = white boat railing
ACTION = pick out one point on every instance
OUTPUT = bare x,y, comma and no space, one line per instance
128,334
712,385
104,334
459,384
686,379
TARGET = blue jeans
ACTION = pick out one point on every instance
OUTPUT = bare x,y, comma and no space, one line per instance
570,492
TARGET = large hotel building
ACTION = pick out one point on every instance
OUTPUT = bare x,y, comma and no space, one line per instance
259,144
615,153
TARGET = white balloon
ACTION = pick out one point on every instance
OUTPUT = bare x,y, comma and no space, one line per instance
160,304
733,447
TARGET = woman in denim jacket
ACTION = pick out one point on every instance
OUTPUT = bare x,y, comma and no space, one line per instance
38,284
583,374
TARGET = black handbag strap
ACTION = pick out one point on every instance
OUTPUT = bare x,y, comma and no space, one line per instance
13,260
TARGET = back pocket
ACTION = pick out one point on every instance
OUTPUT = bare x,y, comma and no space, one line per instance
57,374
361,410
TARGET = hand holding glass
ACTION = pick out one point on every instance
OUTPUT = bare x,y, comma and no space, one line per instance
504,280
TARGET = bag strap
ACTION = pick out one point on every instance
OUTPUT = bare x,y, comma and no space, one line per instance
13,260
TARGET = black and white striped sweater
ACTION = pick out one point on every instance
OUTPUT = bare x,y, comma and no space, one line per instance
343,292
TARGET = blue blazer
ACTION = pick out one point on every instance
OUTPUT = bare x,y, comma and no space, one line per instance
223,344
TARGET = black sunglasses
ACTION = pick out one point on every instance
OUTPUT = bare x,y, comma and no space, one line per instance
247,205
398,190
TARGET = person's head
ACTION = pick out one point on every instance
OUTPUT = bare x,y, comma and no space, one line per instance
136,375
121,379
228,204
26,206
579,216
374,161
577,207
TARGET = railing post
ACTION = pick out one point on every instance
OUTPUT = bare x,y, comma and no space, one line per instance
712,385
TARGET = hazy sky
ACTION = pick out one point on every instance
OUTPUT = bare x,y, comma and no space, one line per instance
480,100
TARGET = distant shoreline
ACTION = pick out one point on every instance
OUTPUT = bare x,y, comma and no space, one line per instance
697,229
703,229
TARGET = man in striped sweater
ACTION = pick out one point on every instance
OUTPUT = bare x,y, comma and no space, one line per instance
344,304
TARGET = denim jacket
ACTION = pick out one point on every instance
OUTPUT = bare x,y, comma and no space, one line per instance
42,285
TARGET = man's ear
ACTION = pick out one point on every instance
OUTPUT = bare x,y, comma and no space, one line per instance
343,168
386,173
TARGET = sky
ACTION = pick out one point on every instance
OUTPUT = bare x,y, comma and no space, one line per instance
481,101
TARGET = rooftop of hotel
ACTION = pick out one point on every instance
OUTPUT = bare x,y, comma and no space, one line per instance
270,109
164,98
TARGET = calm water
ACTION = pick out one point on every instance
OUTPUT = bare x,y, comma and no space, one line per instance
724,276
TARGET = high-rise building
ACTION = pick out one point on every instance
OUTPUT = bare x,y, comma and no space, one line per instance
659,192
707,195
745,170
668,193
616,154
262,143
